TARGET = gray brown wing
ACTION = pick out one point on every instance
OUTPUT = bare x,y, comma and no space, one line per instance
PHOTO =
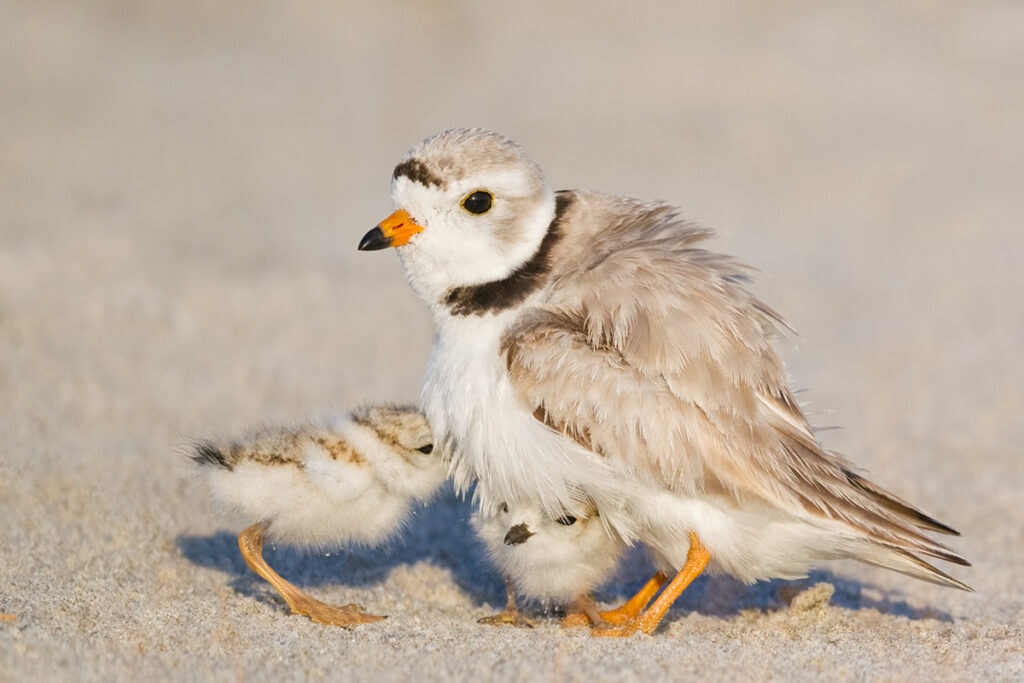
657,356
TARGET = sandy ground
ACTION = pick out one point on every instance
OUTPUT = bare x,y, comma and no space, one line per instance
183,186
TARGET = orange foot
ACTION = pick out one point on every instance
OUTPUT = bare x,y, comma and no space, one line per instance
250,542
346,616
7,617
636,604
647,621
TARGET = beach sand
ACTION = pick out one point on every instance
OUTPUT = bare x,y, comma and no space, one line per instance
182,188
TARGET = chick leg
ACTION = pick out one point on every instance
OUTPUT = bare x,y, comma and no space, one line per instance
622,615
510,616
250,542
696,561
583,612
7,617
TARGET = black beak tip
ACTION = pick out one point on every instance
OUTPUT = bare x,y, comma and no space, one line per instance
518,534
374,240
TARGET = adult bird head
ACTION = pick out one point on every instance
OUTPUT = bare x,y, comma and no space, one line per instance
470,208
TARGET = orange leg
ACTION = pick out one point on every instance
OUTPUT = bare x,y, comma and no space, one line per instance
7,617
250,542
696,561
637,603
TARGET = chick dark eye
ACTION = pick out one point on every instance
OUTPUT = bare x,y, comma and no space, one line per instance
478,202
428,449
568,520
504,507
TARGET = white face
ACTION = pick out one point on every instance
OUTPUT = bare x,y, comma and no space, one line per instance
459,245
549,558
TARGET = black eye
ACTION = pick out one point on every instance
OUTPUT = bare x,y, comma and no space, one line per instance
568,520
429,448
478,202
504,507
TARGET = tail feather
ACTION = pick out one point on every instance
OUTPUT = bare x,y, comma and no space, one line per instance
207,454
905,562
896,534
898,506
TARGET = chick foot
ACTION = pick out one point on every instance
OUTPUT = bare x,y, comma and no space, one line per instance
251,542
510,616
583,612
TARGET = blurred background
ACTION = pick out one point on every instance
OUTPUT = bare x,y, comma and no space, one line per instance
183,184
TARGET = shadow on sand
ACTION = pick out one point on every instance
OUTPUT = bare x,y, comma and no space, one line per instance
441,535
724,596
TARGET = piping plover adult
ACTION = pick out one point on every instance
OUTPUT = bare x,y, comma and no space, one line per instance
350,479
588,348
554,560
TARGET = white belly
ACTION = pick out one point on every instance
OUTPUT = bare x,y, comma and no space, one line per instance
752,544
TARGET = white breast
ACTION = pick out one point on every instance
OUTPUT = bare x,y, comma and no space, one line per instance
495,442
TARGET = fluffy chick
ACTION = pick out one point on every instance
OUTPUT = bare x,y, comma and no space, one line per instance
350,479
554,560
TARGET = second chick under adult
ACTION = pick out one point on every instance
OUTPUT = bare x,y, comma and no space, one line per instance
553,560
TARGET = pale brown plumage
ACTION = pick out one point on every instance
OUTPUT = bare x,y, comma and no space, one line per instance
702,400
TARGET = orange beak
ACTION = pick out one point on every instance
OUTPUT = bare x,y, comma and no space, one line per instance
393,231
